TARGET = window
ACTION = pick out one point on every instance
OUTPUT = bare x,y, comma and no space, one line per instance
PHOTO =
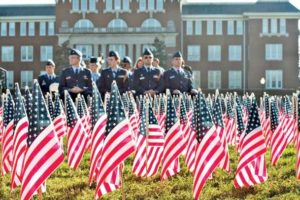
235,52
3,29
92,5
142,5
26,78
159,4
274,79
219,27
83,23
265,26
86,49
273,52
214,53
117,4
23,29
193,53
83,5
198,27
239,27
46,53
42,28
214,79
26,53
7,53
274,26
120,48
108,5
10,79
197,79
75,5
189,27
230,27
151,23
210,27
12,29
117,23
50,28
31,29
151,5
235,79
282,25
126,5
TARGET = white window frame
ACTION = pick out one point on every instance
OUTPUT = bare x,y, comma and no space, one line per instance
274,27
75,5
189,28
26,78
209,27
219,27
214,79
151,5
83,5
214,53
239,27
28,51
194,53
265,26
235,79
126,5
117,5
42,28
198,27
196,79
274,52
92,5
235,52
3,29
7,53
120,48
51,28
160,5
46,52
282,26
86,49
12,29
230,27
10,79
31,29
274,79
142,5
23,29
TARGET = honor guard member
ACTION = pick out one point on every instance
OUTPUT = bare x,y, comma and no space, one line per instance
127,64
94,66
75,79
113,73
48,78
177,79
147,80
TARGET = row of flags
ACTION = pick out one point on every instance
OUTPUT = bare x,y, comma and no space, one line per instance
155,130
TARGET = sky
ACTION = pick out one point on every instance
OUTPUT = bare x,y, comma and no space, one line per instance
3,2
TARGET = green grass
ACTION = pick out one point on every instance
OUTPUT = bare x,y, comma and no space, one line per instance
68,184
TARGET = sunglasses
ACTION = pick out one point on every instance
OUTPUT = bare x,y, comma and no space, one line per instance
147,57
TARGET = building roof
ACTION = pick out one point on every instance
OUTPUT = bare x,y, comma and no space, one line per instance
238,8
27,10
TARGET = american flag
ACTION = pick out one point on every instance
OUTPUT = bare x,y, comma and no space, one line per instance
251,168
278,138
240,123
44,154
209,149
288,120
77,137
230,124
7,140
174,142
189,136
218,121
298,136
59,118
50,105
20,139
118,145
266,123
162,112
28,101
132,114
99,119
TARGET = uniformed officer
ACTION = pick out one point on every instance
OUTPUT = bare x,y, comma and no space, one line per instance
94,66
127,64
177,79
45,80
75,79
147,80
113,73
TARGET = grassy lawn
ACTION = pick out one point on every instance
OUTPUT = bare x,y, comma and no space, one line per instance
69,184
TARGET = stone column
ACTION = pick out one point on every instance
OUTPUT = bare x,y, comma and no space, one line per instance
130,51
137,51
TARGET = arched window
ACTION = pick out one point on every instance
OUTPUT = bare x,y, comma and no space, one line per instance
151,23
84,23
117,23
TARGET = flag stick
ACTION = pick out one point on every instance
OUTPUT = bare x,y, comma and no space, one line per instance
122,182
147,134
40,195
